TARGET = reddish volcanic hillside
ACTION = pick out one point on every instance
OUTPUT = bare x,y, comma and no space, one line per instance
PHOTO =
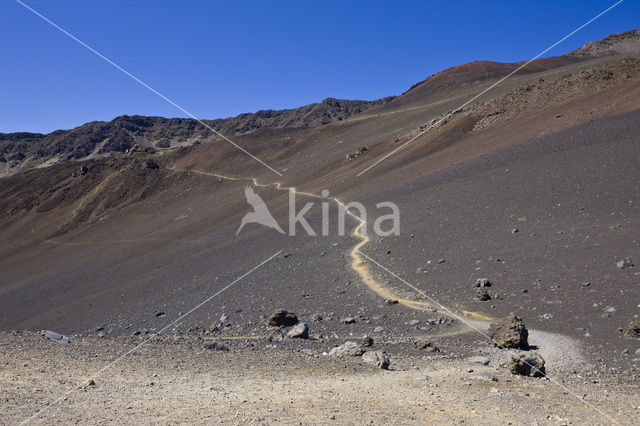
475,72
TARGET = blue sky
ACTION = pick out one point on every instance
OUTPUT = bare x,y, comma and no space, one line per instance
218,59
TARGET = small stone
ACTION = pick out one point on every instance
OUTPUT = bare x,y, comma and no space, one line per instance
483,294
367,341
633,330
160,314
424,344
389,302
483,282
214,345
378,329
300,331
527,364
625,263
56,337
223,318
441,260
348,320
514,231
317,318
414,322
379,358
480,360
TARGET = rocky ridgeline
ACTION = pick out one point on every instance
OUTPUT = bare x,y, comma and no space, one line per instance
22,151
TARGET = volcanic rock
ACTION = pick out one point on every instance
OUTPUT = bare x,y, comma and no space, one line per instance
379,358
509,332
282,318
527,364
300,331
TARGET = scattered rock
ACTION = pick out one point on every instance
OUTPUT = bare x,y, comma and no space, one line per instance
348,320
483,294
486,376
216,346
90,382
509,332
378,329
52,335
349,348
483,282
317,318
414,322
379,358
160,314
355,154
150,164
527,364
389,302
367,341
282,318
300,331
480,360
633,330
625,263
425,345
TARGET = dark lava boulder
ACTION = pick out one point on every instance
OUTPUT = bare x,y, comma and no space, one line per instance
509,332
527,364
282,318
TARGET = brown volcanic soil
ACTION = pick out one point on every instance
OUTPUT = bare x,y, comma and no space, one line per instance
111,249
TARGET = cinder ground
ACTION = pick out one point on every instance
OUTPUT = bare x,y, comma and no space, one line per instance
166,383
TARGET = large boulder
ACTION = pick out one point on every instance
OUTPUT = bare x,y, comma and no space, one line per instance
527,364
282,318
509,332
379,358
300,331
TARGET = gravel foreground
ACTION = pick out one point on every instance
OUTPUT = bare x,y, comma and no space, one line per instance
167,382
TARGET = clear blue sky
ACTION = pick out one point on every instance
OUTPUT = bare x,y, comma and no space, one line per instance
218,59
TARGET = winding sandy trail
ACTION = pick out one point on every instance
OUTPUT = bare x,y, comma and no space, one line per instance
473,320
